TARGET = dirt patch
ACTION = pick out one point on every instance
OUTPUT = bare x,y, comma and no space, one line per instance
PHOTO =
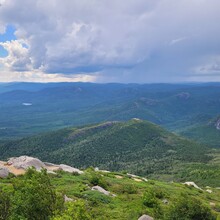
14,170
119,177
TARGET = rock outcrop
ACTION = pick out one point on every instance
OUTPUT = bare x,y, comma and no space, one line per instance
192,184
4,172
24,162
70,169
18,165
101,190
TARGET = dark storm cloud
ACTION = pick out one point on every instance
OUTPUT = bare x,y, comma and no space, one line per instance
133,40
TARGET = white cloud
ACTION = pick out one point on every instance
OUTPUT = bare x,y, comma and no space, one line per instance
72,37
18,58
37,76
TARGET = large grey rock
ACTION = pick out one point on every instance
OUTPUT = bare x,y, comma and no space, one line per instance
50,164
101,190
4,172
24,162
70,169
192,184
145,217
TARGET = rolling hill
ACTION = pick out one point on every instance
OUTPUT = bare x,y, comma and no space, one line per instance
136,146
52,106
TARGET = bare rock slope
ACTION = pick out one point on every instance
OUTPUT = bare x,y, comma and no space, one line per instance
18,165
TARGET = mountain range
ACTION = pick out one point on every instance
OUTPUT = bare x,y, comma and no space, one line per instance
31,108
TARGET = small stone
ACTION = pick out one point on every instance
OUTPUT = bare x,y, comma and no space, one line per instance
146,217
209,190
101,190
165,201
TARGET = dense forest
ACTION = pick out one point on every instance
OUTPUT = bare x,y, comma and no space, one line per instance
136,146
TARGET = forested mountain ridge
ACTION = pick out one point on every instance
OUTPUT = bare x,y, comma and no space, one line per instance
136,146
30,108
206,132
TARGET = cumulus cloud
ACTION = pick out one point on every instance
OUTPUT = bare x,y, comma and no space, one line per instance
18,58
136,40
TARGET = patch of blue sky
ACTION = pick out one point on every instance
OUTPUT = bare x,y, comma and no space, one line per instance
3,52
9,34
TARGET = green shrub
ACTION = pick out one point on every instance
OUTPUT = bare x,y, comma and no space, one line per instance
217,207
125,188
96,198
4,205
189,208
152,203
11,175
149,199
97,180
159,193
34,197
74,211
75,174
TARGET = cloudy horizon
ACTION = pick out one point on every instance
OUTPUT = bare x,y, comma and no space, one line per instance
110,41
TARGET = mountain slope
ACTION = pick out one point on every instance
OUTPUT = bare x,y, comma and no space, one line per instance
206,132
136,146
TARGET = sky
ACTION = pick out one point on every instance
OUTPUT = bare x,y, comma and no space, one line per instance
141,41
